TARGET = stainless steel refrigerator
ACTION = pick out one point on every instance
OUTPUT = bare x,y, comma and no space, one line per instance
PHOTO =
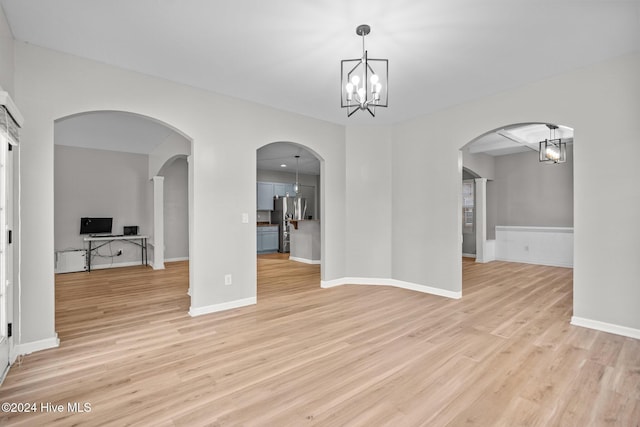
286,209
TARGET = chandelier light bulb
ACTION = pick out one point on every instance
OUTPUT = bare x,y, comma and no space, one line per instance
374,80
355,80
349,87
552,154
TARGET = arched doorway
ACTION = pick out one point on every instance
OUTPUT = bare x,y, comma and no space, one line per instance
289,202
175,208
523,206
108,164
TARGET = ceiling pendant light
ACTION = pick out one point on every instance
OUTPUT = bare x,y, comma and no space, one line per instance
553,150
296,186
364,81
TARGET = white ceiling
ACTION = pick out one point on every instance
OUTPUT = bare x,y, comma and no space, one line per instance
111,130
286,53
273,156
517,139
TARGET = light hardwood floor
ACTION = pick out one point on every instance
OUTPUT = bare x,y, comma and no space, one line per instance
504,355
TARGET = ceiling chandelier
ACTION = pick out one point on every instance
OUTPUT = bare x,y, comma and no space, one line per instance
364,81
553,150
296,186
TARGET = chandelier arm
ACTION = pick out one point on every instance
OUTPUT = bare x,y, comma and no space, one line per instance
372,112
349,114
354,67
369,66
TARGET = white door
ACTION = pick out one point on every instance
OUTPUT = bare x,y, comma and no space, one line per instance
6,252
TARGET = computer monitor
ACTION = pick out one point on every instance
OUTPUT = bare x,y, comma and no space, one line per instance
95,225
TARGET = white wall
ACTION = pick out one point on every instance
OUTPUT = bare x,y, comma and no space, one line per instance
100,183
427,194
482,164
163,154
176,210
6,55
601,103
369,213
51,85
530,193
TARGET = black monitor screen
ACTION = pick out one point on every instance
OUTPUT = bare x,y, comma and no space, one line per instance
95,225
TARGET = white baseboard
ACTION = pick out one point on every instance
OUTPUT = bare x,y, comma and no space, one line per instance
199,311
469,255
537,262
606,327
304,260
115,265
30,347
133,263
185,258
390,282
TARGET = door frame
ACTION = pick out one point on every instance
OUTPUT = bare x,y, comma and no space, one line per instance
7,191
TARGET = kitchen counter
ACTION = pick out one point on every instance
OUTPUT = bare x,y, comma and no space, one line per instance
295,222
305,241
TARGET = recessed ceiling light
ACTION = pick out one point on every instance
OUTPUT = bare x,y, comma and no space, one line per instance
283,165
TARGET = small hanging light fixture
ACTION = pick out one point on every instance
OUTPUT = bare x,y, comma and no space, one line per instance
362,87
296,186
553,150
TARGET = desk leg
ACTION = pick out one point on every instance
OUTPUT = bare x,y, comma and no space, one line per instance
89,258
146,253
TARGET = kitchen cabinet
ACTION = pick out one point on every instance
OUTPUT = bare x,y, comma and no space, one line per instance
281,190
265,193
267,190
267,238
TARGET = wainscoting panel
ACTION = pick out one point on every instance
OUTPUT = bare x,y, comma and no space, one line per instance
535,245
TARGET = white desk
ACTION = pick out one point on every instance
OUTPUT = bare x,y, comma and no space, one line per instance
138,240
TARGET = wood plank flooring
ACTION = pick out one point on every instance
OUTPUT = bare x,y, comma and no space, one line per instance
503,355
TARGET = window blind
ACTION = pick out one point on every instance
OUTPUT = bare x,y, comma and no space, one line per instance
9,126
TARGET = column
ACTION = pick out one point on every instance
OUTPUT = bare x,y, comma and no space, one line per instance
158,222
481,219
